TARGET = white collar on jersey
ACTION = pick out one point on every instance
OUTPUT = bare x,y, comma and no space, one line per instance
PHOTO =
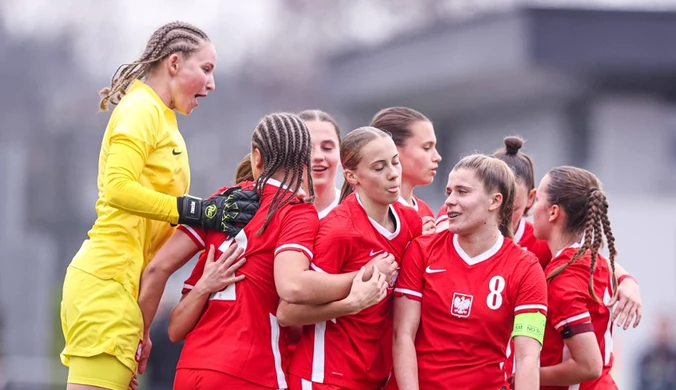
414,203
330,207
480,257
518,234
276,183
575,245
384,232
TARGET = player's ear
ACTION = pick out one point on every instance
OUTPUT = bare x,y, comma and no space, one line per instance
496,201
555,213
350,177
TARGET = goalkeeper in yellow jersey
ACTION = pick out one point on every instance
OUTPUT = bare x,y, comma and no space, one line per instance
143,179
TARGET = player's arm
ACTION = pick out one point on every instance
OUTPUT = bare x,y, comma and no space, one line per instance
628,299
568,296
363,294
407,316
530,318
406,323
132,142
527,356
173,255
215,276
584,364
298,282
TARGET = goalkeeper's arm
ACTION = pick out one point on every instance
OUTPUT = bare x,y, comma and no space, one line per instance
122,190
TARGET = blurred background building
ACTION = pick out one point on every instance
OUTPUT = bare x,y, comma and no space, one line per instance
587,83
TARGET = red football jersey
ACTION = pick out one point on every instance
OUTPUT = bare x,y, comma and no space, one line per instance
353,351
419,206
525,238
238,332
468,308
571,304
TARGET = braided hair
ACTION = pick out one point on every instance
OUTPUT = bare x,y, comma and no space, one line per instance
284,144
171,38
578,193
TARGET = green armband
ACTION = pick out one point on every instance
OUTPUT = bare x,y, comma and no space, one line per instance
530,325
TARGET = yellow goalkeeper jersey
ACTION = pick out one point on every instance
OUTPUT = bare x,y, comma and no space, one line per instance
143,167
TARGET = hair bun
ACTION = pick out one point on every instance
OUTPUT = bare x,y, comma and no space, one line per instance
513,144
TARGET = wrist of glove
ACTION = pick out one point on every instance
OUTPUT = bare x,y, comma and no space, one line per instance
228,212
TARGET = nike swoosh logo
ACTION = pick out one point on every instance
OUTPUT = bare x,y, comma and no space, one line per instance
433,271
374,253
175,153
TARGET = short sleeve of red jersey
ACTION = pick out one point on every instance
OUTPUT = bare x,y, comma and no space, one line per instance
196,234
568,293
441,215
298,230
332,247
532,291
410,280
195,275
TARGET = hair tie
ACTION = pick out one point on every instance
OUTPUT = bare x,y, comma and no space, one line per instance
511,150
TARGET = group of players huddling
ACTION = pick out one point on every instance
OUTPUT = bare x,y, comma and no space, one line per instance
301,285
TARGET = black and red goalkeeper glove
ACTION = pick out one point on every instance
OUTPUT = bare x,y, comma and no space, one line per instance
228,212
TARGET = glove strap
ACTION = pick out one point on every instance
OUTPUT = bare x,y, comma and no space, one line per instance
190,210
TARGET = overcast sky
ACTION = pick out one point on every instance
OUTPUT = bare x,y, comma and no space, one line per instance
112,32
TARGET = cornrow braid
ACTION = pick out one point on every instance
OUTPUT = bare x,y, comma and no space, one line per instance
588,236
580,185
171,38
284,143
595,205
610,239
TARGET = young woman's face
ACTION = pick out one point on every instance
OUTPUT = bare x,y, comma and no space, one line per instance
542,226
419,155
469,205
325,154
192,78
378,174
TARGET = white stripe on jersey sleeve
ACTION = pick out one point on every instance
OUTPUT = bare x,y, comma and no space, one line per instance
528,307
572,319
194,234
408,292
441,219
281,248
188,286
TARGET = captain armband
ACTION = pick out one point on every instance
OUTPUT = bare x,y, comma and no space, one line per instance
530,325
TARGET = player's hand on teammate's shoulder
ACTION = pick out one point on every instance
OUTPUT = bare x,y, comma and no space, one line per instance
230,211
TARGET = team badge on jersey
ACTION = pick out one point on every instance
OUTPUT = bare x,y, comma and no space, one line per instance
462,305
